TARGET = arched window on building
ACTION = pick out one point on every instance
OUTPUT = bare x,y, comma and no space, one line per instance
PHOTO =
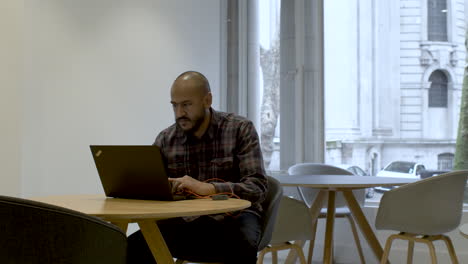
445,161
438,89
437,20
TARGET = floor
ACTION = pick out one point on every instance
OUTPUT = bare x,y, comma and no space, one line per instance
284,253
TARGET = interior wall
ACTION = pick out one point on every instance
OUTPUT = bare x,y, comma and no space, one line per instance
11,26
99,72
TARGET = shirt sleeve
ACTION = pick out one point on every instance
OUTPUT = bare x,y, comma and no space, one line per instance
253,182
159,141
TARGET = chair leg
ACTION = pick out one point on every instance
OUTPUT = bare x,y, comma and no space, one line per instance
260,257
356,238
332,252
388,246
431,247
274,257
409,259
428,240
312,243
451,250
300,253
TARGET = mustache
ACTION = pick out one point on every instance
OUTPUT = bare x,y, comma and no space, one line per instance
183,118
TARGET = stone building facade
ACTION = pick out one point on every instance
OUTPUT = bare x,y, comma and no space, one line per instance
393,81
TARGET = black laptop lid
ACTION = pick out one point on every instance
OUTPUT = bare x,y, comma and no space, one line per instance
135,172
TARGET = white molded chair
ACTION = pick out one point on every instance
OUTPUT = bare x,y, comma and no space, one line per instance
293,222
464,230
308,195
422,212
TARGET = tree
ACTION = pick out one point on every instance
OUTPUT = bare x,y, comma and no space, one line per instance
269,60
461,152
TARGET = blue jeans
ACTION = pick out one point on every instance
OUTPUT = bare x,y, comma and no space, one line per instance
233,240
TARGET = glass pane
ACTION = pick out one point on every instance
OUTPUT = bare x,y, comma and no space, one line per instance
385,111
269,41
445,161
438,89
437,20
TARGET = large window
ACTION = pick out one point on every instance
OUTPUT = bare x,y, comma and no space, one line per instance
279,76
438,89
437,20
373,109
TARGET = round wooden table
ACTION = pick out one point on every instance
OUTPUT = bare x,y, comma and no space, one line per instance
121,212
328,186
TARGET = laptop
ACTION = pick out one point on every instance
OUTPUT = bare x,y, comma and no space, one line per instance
133,172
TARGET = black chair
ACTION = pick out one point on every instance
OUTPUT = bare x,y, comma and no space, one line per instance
270,206
33,232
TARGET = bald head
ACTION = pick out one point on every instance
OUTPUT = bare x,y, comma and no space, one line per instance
191,82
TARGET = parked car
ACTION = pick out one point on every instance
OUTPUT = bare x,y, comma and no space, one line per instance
356,170
429,173
401,169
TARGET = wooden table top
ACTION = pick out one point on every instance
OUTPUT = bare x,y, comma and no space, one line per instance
130,209
340,181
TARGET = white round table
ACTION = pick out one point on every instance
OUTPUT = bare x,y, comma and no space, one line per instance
329,185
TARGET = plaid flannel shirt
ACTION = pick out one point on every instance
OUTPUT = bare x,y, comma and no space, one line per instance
229,150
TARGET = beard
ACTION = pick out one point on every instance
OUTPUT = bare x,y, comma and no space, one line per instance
195,123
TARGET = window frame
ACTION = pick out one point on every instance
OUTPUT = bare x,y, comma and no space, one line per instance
445,157
451,20
431,28
308,118
438,89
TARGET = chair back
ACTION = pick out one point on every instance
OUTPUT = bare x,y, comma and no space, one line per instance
34,232
429,207
315,169
294,222
270,206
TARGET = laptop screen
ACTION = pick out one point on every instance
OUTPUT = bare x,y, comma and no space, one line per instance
135,172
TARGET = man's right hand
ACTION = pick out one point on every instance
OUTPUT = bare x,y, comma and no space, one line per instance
193,185
174,185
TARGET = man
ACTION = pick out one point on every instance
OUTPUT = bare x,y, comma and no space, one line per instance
209,152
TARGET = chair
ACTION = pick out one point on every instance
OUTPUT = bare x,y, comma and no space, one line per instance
422,212
270,206
463,229
34,232
294,222
308,195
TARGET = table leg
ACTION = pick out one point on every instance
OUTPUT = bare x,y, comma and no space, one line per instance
361,220
328,248
121,225
317,205
156,242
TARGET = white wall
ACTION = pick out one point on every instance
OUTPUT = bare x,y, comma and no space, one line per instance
11,28
99,72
